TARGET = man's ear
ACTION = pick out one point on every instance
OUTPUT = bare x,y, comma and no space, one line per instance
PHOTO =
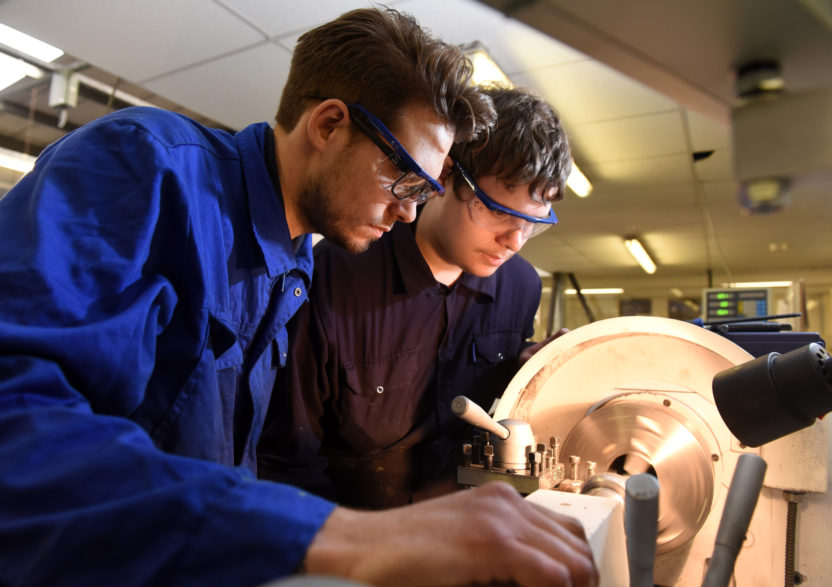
446,176
325,123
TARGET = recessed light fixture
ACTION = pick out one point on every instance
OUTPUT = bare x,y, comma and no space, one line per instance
756,78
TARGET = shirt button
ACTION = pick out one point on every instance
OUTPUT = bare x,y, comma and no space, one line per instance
380,389
298,291
500,356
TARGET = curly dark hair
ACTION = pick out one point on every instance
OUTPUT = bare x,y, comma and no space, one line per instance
526,146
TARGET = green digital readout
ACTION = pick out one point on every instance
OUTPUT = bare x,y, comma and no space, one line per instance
730,303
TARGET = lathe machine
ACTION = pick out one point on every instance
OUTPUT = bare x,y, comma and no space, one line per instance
634,396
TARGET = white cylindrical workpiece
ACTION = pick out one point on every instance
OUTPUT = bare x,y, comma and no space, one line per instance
476,416
641,521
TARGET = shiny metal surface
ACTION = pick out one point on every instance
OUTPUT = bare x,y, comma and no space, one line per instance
610,485
512,452
650,433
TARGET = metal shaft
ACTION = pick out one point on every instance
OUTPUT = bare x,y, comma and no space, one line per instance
739,506
641,521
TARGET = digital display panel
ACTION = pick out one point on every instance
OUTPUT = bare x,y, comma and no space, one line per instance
732,303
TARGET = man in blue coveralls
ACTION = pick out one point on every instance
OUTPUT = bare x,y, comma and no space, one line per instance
148,267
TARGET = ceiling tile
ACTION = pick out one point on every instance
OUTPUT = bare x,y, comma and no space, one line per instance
589,91
638,137
671,169
267,63
718,166
146,39
707,134
273,18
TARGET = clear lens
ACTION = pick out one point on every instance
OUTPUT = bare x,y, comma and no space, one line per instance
502,223
538,227
412,188
409,187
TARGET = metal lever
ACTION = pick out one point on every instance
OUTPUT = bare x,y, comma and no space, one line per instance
641,521
476,416
736,515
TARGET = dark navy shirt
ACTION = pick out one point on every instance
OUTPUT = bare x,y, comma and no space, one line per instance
378,354
146,277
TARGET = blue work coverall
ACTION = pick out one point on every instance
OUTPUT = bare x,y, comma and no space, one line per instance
146,277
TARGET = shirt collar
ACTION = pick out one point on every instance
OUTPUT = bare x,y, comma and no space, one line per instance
268,215
483,285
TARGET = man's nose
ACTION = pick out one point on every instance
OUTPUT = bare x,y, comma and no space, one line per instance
513,240
404,211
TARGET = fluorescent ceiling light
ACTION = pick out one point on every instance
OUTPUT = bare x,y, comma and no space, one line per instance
28,45
596,291
640,254
578,183
486,70
17,161
759,284
12,69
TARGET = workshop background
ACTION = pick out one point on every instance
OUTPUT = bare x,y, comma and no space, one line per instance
673,110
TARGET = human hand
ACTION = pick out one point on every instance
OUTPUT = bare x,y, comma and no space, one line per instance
484,535
527,353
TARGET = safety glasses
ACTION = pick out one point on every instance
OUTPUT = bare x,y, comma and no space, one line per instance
413,184
499,219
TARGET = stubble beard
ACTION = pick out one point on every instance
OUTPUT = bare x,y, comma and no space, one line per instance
324,212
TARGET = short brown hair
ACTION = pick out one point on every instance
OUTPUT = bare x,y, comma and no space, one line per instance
384,60
526,146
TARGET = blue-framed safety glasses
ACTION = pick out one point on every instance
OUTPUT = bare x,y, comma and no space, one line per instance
498,218
414,184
